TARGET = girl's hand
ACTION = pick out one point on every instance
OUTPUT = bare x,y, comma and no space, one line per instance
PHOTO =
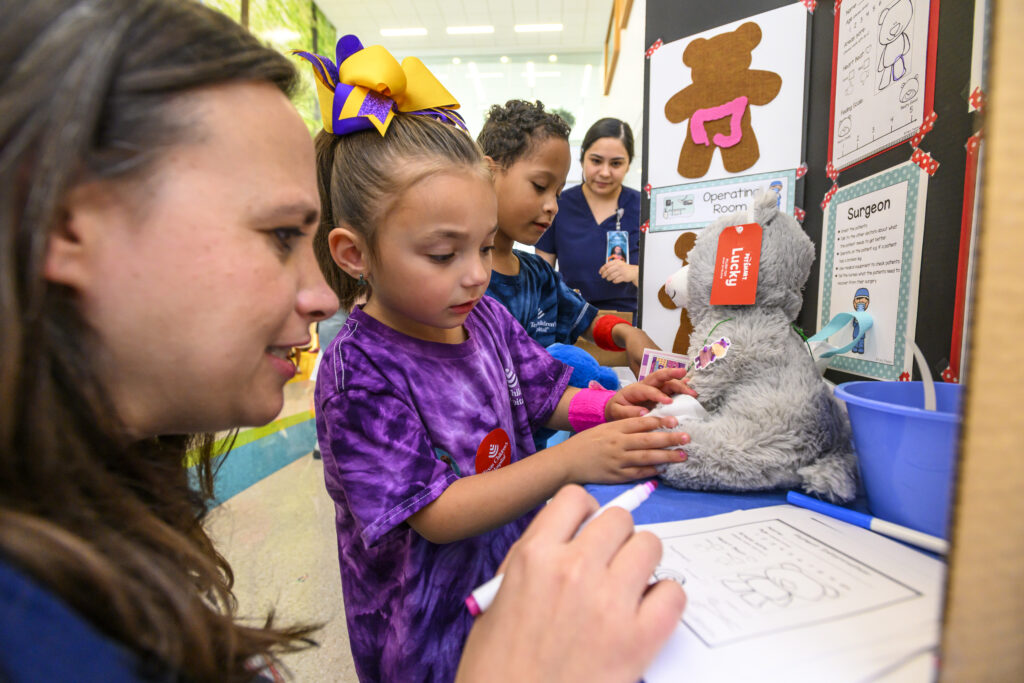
638,398
620,271
575,609
622,451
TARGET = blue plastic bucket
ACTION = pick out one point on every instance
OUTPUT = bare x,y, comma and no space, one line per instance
907,454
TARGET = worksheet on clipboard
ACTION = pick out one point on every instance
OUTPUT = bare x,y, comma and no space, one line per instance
782,591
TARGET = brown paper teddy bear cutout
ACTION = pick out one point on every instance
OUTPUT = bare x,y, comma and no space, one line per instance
681,344
718,101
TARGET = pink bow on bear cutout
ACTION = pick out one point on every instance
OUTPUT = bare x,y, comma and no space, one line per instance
733,109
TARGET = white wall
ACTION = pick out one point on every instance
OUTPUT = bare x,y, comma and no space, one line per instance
479,81
572,82
626,99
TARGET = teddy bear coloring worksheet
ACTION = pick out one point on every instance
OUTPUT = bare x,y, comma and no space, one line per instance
880,76
783,593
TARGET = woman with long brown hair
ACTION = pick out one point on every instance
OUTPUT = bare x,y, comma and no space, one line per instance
157,200
157,204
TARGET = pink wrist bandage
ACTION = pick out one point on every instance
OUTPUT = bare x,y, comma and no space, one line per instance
586,408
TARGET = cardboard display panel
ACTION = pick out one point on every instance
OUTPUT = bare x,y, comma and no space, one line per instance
983,638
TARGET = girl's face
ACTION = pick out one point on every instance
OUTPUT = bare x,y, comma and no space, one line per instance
433,256
200,278
605,164
528,190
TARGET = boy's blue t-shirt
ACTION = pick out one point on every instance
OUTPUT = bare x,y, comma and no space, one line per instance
542,303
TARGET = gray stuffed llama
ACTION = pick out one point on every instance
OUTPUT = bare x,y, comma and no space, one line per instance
771,421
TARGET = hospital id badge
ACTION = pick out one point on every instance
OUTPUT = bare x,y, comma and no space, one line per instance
617,248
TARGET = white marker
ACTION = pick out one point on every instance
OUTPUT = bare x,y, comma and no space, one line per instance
879,526
480,599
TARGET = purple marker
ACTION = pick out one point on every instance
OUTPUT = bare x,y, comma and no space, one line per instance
481,598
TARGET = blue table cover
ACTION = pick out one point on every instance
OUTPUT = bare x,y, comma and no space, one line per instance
667,504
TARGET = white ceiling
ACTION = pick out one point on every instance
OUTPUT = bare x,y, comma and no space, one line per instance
584,23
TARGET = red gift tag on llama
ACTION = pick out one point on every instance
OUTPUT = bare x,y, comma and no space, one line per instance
736,264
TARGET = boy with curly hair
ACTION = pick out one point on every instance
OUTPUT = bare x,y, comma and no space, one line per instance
527,149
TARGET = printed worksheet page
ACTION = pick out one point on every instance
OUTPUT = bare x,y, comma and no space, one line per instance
788,592
880,71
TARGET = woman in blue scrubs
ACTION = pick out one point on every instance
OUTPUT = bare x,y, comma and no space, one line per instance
579,237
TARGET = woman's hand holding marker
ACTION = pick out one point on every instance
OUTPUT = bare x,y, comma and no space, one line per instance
581,606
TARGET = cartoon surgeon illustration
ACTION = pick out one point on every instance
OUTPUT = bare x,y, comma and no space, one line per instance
776,187
860,303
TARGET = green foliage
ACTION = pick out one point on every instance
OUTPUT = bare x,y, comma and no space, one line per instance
327,35
232,8
566,115
287,25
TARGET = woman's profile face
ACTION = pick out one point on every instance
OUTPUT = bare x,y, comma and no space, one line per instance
605,164
200,278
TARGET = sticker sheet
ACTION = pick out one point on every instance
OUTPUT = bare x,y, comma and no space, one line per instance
654,360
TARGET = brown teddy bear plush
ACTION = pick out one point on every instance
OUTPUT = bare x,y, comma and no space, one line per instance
684,243
718,101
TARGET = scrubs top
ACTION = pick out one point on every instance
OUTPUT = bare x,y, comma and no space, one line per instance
580,245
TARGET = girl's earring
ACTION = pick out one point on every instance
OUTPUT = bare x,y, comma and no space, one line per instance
362,280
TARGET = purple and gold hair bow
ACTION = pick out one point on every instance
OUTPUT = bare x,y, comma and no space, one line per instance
368,85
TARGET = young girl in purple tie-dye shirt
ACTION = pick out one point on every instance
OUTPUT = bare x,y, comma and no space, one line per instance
428,397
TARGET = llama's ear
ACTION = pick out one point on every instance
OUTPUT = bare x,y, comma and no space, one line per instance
766,207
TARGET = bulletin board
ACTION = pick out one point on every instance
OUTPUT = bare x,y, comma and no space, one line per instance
940,297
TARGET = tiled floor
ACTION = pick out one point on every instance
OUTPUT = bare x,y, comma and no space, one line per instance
279,537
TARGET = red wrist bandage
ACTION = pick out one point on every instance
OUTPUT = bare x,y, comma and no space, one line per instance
603,332
586,408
